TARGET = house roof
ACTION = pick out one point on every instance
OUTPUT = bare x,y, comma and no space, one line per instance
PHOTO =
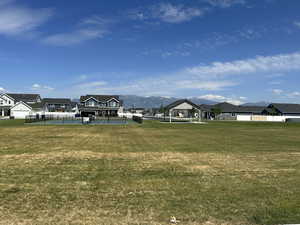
38,105
179,102
206,107
286,108
23,103
225,107
100,98
250,109
24,97
57,101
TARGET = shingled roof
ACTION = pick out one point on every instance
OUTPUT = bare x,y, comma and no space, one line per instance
286,108
100,98
250,109
25,97
66,101
225,107
178,102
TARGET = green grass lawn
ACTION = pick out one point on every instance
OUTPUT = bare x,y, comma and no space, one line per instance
217,173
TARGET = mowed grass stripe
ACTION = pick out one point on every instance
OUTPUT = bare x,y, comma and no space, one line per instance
219,173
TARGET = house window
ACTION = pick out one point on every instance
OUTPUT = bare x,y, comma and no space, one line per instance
113,104
91,103
1,102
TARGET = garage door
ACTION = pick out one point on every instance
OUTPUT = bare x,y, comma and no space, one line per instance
20,114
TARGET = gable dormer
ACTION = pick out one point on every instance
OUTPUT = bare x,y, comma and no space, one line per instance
6,100
91,102
113,102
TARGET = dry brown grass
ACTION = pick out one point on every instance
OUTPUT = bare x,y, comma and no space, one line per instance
145,174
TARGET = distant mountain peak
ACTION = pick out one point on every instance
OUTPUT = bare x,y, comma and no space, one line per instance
262,103
156,101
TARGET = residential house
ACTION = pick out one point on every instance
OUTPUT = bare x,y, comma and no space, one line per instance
26,98
283,109
6,102
16,105
183,108
57,104
100,105
227,111
21,110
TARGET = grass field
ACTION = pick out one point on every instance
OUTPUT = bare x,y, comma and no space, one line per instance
218,173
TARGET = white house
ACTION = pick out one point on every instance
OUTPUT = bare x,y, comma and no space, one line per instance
20,110
100,105
18,105
6,102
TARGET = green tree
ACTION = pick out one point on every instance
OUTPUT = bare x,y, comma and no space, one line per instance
161,108
216,111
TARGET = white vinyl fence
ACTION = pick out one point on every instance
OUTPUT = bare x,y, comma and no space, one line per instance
129,115
55,114
264,118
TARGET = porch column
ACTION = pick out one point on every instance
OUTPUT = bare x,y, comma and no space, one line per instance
2,112
170,115
199,115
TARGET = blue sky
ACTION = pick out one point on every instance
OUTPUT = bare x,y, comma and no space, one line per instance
224,50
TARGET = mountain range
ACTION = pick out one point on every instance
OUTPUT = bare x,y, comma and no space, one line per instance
135,101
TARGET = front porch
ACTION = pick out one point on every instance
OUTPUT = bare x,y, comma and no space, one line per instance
4,111
99,112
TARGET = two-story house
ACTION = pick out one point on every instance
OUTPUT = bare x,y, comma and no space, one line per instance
57,104
100,105
17,104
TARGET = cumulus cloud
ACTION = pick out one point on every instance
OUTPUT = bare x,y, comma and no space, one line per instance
225,3
210,85
38,87
297,23
277,63
88,29
16,20
2,89
220,98
295,94
94,84
211,77
169,13
277,91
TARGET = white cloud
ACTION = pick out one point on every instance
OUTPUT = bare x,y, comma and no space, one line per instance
94,84
275,75
220,98
297,23
83,77
16,20
166,12
277,91
277,63
90,28
212,77
294,94
38,87
175,13
212,85
276,82
225,3
2,89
